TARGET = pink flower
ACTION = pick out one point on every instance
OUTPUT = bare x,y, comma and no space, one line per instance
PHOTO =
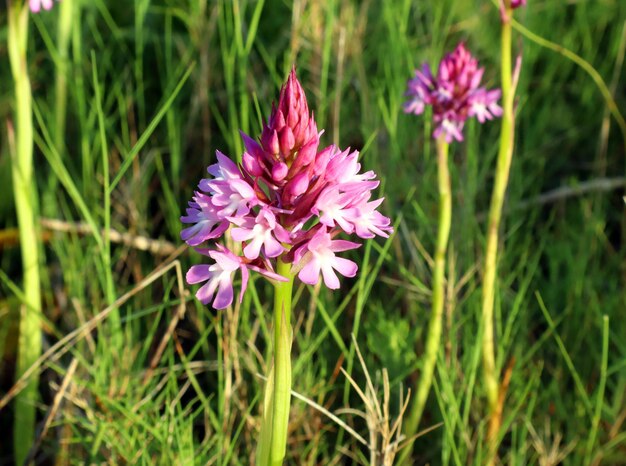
367,221
231,194
262,230
517,3
36,5
455,94
224,169
285,202
332,206
219,277
419,91
319,255
343,168
484,106
208,224
449,126
232,197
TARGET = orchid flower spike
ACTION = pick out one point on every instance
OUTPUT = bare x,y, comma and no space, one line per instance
454,93
287,201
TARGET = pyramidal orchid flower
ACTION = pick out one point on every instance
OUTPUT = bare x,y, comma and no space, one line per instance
454,93
285,183
285,206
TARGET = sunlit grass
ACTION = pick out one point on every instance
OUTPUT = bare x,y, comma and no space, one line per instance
176,80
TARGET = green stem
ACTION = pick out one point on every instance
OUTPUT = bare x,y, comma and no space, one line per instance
281,396
505,154
63,38
434,326
273,436
24,188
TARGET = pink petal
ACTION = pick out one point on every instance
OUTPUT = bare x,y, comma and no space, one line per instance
252,147
319,239
226,260
224,296
281,234
343,245
225,164
206,292
241,234
264,272
187,234
251,165
198,273
243,188
272,248
345,267
310,273
252,250
330,278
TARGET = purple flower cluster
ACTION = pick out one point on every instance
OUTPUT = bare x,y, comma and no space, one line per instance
455,94
36,5
287,201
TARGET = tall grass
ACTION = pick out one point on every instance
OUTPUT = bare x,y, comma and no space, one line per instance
153,90
25,194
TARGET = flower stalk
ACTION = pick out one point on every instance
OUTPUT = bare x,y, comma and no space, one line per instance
438,295
24,189
284,204
455,94
505,155
281,396
60,108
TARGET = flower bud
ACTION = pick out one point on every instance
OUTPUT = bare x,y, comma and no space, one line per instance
279,171
297,186
251,165
287,141
306,155
270,142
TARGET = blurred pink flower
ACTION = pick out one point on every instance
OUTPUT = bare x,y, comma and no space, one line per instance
455,94
287,199
37,5
517,3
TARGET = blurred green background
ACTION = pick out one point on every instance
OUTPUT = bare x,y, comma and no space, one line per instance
178,80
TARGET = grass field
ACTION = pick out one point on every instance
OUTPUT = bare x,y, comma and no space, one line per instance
130,104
